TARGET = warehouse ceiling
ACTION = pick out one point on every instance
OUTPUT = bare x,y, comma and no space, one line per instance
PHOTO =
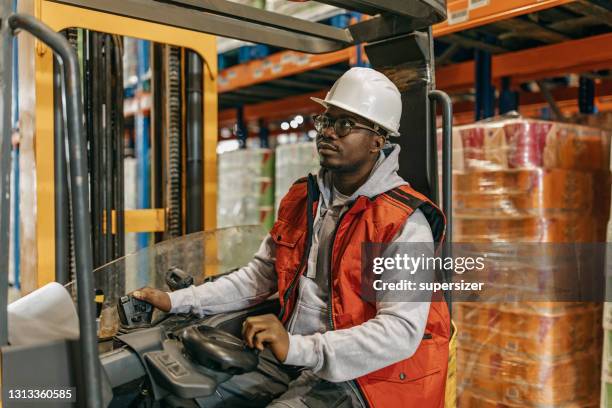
575,20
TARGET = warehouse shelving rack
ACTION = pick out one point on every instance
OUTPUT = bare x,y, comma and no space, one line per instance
547,35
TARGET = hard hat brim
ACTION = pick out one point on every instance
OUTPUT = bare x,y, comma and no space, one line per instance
327,104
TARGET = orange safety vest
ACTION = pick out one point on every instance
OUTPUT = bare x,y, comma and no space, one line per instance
418,381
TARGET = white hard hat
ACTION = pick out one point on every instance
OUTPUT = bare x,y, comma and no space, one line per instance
369,94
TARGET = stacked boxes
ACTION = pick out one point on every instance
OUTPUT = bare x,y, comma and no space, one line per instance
509,355
292,162
246,188
253,181
519,182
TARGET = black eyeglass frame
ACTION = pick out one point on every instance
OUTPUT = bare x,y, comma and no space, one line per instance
331,122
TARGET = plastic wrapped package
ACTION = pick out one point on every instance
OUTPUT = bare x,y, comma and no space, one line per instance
510,377
531,205
526,143
535,275
246,188
528,181
541,331
473,400
528,358
292,162
557,228
607,354
606,392
529,191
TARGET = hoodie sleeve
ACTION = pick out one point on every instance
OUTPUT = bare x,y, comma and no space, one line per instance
391,336
243,288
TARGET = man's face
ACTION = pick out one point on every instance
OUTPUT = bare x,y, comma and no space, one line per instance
348,153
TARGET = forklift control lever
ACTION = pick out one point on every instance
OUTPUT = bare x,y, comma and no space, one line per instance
134,313
178,279
218,350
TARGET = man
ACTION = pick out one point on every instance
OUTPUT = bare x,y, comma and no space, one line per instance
336,348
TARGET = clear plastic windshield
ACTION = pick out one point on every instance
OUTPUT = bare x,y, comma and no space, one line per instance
202,255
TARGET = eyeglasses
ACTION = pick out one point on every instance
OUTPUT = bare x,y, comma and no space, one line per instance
342,126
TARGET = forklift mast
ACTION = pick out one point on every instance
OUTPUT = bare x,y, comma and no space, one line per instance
399,43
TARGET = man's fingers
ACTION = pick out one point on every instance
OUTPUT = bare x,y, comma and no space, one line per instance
254,319
262,337
250,329
140,294
250,332
155,297
257,330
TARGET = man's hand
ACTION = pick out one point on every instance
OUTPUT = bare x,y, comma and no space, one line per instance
156,297
266,331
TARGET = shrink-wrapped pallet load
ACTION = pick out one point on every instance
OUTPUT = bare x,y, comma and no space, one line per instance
521,184
293,161
246,188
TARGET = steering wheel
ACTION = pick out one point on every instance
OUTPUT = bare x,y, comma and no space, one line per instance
218,350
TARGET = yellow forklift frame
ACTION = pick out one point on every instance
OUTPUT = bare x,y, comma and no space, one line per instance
59,17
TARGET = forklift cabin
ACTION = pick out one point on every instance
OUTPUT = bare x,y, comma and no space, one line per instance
397,38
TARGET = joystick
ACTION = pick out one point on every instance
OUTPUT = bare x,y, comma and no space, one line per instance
218,350
178,279
134,313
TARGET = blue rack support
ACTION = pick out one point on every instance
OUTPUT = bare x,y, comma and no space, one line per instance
361,62
586,95
508,99
242,133
143,143
485,91
252,52
341,20
264,134
222,62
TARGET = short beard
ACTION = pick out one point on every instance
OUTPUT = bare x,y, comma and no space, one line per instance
328,166
338,168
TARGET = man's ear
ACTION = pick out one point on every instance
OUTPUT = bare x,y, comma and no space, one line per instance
378,143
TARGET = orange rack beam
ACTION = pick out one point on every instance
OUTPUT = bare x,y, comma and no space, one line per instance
587,54
279,65
463,14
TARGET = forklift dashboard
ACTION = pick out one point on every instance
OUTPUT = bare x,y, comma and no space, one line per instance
145,351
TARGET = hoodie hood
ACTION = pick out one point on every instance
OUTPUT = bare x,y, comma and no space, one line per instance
383,177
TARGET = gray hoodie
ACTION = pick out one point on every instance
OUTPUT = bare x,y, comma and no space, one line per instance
335,355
